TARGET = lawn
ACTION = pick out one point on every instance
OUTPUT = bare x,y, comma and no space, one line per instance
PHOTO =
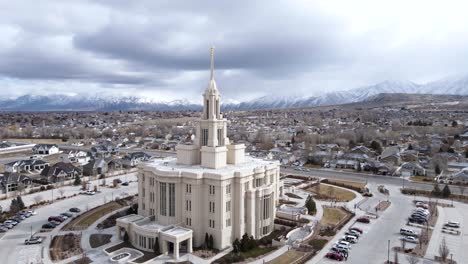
328,192
88,218
37,140
422,179
332,216
350,183
97,240
288,257
318,244
292,195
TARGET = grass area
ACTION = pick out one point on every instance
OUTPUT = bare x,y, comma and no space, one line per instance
350,183
422,179
88,218
282,201
328,192
292,195
37,140
318,244
97,240
242,256
289,256
332,216
256,252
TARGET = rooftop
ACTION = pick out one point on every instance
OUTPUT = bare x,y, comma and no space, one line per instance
170,164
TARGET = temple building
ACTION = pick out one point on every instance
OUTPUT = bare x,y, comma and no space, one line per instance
211,189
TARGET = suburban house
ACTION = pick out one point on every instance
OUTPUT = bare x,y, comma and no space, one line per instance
78,156
9,182
28,166
104,150
59,172
45,149
410,169
135,158
101,166
391,155
5,144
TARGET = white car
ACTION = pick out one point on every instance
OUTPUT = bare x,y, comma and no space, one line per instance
32,212
408,232
33,240
344,244
10,222
409,239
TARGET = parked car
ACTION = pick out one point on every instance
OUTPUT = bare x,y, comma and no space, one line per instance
342,250
11,222
3,229
55,223
66,214
7,225
75,210
48,226
33,240
343,243
363,220
124,184
351,239
56,218
32,212
335,256
417,220
408,232
409,239
453,224
353,233
356,229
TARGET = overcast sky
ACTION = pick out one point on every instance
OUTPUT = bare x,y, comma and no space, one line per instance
160,49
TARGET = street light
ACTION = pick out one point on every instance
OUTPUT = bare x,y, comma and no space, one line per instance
388,252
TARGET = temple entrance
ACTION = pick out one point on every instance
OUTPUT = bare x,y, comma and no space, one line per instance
183,246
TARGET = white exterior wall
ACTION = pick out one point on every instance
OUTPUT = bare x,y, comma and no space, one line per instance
246,205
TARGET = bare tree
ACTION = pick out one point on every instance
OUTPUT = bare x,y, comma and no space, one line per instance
412,259
444,251
37,199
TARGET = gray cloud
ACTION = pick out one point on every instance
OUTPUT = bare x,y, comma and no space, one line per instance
160,48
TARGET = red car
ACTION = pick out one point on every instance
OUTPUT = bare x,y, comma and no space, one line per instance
356,229
335,256
363,220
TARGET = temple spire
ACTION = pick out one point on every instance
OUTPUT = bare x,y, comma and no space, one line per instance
212,62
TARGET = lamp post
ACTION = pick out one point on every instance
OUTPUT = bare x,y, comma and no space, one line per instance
388,252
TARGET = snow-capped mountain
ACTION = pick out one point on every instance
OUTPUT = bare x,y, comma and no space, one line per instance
453,86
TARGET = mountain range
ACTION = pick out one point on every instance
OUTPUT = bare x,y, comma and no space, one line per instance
448,86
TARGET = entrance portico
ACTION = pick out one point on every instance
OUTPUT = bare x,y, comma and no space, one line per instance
176,235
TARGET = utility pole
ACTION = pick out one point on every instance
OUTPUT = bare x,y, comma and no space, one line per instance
388,252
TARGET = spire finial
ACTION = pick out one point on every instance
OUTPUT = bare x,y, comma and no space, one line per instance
212,61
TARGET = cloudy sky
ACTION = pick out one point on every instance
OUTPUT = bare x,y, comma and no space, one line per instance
160,49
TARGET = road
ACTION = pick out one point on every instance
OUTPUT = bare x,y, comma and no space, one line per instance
151,152
12,248
362,177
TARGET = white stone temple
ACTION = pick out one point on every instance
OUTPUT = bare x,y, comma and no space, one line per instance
212,188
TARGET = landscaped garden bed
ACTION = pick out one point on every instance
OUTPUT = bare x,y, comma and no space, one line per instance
66,246
97,240
331,193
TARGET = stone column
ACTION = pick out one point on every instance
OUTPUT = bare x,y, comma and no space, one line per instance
176,250
164,247
189,245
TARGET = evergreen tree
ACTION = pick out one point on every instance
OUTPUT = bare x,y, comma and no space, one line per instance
310,205
454,123
211,241
252,243
437,169
14,206
156,246
436,190
446,191
207,242
77,180
245,243
375,145
410,147
20,202
236,245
